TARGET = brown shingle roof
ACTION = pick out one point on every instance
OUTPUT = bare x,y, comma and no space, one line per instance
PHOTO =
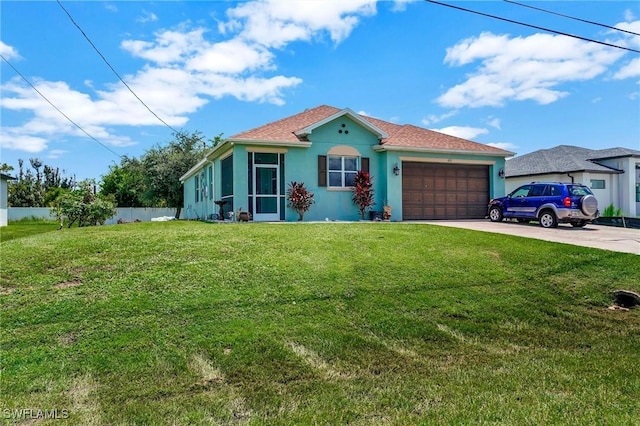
407,135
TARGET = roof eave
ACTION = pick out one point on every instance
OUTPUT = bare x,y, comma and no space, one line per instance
291,144
381,148
193,170
614,157
561,172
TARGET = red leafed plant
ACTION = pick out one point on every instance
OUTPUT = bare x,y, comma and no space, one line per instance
299,199
362,192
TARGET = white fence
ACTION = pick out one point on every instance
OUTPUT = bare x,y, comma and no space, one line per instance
127,214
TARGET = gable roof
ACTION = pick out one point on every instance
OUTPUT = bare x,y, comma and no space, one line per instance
392,136
564,159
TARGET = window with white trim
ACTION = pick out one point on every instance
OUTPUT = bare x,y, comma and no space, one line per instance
342,170
597,183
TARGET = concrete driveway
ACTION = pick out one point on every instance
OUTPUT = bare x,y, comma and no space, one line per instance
624,240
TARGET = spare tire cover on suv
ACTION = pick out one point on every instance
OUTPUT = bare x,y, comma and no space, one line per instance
589,205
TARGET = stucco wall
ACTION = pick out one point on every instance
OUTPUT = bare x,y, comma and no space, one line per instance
3,202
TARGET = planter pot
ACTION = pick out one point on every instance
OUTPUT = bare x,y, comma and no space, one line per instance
375,215
620,222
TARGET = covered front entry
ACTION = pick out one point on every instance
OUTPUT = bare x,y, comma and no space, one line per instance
444,191
266,192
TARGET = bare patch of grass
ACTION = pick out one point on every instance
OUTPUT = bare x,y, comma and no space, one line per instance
67,284
85,408
313,360
206,370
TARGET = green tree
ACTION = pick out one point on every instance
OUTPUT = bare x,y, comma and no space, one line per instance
164,165
38,189
127,183
5,168
83,206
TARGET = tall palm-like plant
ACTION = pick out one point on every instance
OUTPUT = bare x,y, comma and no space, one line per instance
363,192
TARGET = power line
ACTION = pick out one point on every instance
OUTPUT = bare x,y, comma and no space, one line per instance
570,17
533,26
56,108
113,69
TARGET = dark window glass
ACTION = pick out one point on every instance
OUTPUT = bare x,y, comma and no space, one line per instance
226,170
266,158
536,191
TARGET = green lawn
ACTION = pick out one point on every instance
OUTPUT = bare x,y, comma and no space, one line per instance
25,228
361,323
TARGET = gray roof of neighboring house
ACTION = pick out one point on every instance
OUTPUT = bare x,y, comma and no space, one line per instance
6,177
565,159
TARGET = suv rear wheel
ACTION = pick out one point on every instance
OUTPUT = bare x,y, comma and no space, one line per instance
548,219
495,214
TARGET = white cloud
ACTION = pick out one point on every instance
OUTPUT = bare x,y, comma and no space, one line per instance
56,153
147,17
462,132
16,138
522,68
494,122
111,7
630,70
504,145
170,46
596,100
233,56
274,23
9,52
628,15
186,68
433,119
400,5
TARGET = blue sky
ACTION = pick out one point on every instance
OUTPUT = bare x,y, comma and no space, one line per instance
225,67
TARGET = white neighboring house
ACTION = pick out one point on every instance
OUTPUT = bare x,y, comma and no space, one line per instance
613,174
3,197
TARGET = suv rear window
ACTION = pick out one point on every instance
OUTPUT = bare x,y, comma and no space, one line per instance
579,190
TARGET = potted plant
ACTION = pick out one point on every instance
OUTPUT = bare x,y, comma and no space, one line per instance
299,199
363,192
386,212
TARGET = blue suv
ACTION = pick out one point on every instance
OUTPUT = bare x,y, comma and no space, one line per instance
549,203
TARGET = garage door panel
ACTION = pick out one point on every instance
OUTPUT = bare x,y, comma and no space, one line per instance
444,191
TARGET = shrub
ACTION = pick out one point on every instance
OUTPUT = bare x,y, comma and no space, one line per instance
612,211
83,206
299,199
363,192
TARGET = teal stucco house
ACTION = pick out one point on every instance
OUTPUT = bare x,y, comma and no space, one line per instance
421,174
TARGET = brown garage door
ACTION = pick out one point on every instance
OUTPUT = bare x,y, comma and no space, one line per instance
444,191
